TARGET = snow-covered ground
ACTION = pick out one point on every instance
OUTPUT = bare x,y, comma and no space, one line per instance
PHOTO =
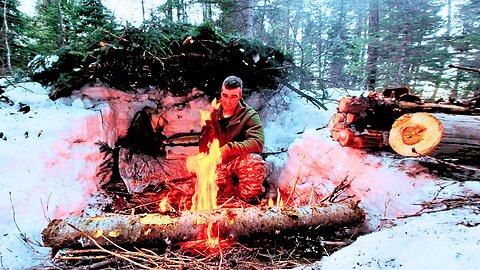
49,161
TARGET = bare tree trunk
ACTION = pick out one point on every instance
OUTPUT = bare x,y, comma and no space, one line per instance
454,92
372,51
61,25
169,10
143,11
320,47
207,11
401,61
449,17
338,41
233,222
249,14
5,35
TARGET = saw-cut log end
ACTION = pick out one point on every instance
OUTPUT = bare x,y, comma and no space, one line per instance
352,105
415,134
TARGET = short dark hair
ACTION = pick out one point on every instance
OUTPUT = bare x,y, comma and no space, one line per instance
232,82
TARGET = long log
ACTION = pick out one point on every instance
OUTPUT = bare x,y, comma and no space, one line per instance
151,229
359,105
411,107
437,135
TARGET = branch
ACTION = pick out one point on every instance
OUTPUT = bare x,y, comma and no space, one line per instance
315,102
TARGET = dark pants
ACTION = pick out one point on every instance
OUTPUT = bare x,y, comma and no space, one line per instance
250,172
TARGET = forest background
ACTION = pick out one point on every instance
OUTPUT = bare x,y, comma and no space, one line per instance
339,44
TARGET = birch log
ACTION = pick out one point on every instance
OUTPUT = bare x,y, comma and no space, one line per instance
151,229
437,135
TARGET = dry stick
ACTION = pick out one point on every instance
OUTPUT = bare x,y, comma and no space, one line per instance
45,209
23,235
100,264
150,258
79,251
108,251
141,204
337,190
447,203
311,194
385,213
114,244
279,196
79,258
297,177
440,190
223,204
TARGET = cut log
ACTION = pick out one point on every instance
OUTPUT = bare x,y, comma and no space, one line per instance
373,139
437,135
355,105
411,107
351,118
152,229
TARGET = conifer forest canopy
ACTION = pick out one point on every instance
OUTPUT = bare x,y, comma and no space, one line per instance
430,45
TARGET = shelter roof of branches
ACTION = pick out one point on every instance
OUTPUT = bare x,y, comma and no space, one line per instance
174,57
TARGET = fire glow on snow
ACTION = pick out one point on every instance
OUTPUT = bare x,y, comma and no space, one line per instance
49,162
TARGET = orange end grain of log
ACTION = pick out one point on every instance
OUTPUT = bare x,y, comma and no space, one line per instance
338,118
415,134
351,118
335,120
352,105
345,137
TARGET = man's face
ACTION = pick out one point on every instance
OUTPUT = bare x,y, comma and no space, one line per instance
230,98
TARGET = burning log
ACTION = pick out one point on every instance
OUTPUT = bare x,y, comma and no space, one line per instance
153,229
437,135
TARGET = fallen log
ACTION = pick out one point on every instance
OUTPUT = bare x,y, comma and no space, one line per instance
153,229
411,107
438,135
361,105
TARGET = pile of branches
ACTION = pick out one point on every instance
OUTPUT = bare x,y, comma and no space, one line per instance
282,252
172,57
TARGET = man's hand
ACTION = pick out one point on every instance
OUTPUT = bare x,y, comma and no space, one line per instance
224,150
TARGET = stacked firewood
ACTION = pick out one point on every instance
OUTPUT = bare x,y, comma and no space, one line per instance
399,120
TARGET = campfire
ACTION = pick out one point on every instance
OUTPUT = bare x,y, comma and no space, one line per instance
205,229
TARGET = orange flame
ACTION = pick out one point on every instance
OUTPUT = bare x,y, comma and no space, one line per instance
270,202
211,241
164,205
279,201
205,115
204,166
